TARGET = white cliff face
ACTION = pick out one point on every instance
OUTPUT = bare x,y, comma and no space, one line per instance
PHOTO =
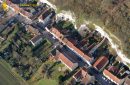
66,15
83,30
50,4
113,45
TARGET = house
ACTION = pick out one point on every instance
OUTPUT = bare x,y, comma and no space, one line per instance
70,64
101,63
67,61
57,33
36,40
112,77
83,77
72,55
32,30
117,73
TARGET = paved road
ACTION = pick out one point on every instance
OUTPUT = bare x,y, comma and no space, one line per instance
100,77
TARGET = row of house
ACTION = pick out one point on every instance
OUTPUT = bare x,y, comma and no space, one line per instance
100,64
65,41
70,60
81,75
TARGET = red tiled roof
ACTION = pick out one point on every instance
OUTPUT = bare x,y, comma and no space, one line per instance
72,41
111,76
68,43
83,76
55,31
66,61
100,62
81,73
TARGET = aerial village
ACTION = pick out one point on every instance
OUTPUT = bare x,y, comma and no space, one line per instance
33,39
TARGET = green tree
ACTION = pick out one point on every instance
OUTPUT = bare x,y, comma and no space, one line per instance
47,72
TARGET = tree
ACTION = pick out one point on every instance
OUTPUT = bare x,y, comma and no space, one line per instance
47,72
61,78
66,72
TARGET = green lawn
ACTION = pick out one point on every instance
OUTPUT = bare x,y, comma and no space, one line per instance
47,82
7,77
38,79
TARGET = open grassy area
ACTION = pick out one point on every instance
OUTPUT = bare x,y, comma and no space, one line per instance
39,78
47,82
7,77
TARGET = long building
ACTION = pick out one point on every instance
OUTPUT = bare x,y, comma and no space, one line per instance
66,42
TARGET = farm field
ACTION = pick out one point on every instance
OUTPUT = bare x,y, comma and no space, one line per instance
7,77
47,82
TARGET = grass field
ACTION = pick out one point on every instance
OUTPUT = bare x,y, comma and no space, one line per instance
47,82
38,79
7,77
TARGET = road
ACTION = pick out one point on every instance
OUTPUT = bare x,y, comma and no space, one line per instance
100,77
